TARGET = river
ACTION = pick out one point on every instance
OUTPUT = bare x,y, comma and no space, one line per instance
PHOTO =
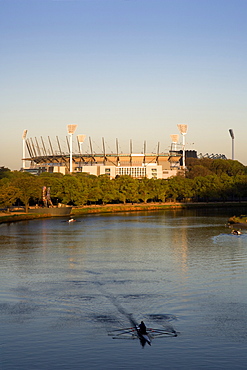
65,286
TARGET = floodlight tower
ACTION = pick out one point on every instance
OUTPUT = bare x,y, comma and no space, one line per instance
71,129
24,135
183,130
174,141
81,139
232,136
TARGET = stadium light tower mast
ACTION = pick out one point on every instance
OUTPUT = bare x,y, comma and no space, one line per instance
174,141
183,130
71,129
24,135
81,139
232,136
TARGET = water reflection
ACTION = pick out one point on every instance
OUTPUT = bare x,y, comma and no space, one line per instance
62,285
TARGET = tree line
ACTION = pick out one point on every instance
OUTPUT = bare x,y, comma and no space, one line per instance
205,180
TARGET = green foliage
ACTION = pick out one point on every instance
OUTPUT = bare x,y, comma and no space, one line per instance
206,180
127,189
228,167
94,191
108,191
206,166
4,172
179,188
198,171
8,193
160,190
29,186
207,188
146,189
69,190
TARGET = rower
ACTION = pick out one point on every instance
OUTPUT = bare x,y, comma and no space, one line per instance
142,328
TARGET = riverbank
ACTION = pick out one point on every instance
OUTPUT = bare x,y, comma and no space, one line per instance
238,221
19,216
116,208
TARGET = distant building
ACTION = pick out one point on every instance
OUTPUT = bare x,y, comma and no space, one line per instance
188,154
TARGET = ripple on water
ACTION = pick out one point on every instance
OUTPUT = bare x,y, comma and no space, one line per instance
229,239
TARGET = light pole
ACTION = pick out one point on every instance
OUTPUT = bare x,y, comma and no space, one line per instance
232,136
183,130
81,139
174,140
24,135
71,129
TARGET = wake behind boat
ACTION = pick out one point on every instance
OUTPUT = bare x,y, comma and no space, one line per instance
136,331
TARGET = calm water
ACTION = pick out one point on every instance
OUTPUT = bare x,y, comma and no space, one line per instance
63,287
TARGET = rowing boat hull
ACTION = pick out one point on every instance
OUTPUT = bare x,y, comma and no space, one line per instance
146,338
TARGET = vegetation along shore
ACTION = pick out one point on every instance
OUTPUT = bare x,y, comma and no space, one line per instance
206,183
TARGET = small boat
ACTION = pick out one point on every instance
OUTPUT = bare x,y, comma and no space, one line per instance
71,220
145,335
135,332
236,232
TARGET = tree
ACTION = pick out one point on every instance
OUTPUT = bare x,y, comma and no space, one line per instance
107,187
180,188
161,188
28,185
198,167
94,191
226,187
4,172
229,167
146,189
69,190
198,170
8,193
207,188
208,166
239,187
127,189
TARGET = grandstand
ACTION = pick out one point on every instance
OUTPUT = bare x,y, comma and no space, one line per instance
44,156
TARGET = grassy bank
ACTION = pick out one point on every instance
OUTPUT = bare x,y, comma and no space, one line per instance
151,207
238,219
116,208
9,217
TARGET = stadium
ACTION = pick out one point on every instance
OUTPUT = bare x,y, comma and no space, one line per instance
45,156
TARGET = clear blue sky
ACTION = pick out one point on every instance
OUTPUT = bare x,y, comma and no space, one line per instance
126,69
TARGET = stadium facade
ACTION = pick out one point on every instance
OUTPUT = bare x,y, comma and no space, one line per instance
44,156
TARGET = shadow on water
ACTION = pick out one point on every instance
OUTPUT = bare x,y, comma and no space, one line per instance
140,332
